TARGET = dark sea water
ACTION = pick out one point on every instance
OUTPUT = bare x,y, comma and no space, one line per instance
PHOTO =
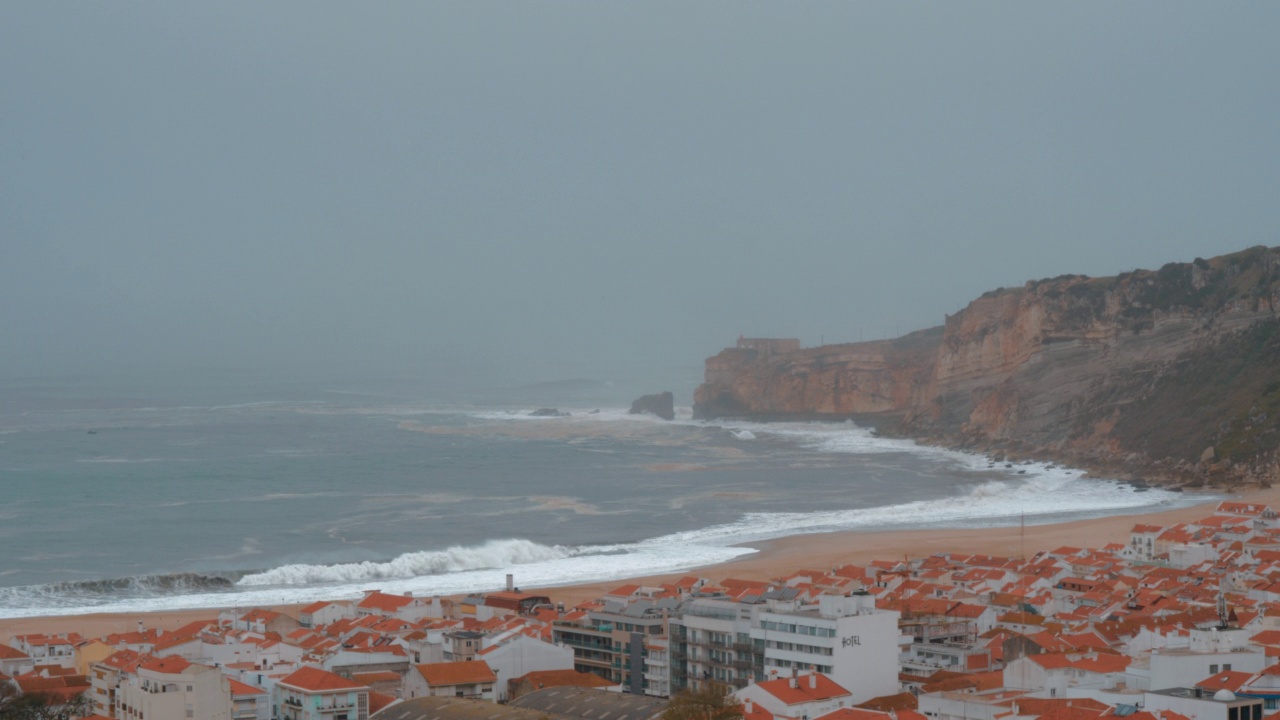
147,496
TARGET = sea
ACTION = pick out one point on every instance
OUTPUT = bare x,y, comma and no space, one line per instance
145,494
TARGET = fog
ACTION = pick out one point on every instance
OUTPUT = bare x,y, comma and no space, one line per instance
526,192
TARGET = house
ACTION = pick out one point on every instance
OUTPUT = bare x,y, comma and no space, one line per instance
310,693
48,649
172,687
324,612
249,702
521,655
468,679
14,662
515,602
802,697
543,679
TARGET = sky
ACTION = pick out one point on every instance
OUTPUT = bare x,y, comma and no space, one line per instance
535,191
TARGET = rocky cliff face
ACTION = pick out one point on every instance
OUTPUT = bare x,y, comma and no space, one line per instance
1144,370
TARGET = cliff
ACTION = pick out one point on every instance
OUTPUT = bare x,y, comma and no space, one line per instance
1136,374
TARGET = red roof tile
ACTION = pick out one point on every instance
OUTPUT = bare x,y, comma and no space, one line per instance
314,679
809,688
456,673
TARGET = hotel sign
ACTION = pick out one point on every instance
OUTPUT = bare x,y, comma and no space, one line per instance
851,640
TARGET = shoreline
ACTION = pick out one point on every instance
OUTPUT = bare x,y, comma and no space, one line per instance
774,558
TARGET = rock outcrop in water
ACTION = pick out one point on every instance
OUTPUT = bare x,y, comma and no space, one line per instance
661,404
1133,375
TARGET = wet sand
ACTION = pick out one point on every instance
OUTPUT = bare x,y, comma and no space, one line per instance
779,557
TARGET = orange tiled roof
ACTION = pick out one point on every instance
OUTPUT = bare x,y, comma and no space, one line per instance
456,673
240,689
314,679
809,688
378,600
170,665
563,678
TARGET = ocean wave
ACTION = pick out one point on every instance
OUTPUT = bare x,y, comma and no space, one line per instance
1046,495
493,554
79,591
1052,496
988,495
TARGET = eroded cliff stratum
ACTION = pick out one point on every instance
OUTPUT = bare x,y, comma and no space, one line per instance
1170,373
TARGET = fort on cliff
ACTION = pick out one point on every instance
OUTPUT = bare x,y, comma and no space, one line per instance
1170,373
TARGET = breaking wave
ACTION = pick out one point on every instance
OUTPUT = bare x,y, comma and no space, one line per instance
493,554
983,494
62,593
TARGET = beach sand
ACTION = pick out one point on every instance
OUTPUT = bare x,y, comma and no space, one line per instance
783,556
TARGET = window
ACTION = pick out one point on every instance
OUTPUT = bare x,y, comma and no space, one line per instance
1213,669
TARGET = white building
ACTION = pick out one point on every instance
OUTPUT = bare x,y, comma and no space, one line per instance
467,679
249,702
1194,703
173,687
800,696
521,655
842,636
310,693
1209,652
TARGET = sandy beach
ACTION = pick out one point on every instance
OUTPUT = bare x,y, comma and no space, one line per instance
783,556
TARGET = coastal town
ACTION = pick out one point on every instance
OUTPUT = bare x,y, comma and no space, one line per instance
1182,622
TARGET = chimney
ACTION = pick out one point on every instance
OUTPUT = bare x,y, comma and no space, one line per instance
748,707
511,582
791,682
139,626
813,680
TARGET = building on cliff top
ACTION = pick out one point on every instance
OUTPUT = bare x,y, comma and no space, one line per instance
765,347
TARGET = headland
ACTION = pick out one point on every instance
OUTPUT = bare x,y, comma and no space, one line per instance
1168,376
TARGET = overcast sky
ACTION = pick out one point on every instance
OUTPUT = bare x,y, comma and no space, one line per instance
364,188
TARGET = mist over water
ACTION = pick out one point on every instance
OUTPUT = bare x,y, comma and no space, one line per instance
127,497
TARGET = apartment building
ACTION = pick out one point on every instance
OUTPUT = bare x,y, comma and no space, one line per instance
172,687
616,641
767,636
310,693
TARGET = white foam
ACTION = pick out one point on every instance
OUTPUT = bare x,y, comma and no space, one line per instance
493,554
996,496
1044,497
